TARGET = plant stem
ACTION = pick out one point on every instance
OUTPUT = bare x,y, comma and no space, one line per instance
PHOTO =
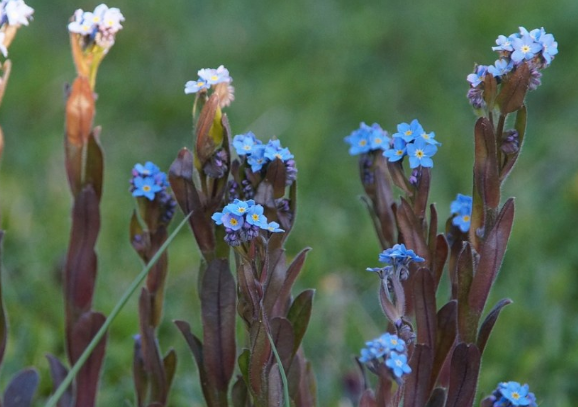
119,306
286,400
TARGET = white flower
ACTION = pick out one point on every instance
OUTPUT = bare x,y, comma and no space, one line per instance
214,76
2,46
195,86
17,12
83,23
111,19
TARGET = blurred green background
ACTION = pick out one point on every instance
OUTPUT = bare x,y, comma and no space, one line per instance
308,72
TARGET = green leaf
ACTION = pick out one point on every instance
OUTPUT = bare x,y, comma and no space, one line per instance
489,322
299,315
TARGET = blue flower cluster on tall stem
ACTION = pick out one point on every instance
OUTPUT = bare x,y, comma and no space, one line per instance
397,259
537,48
257,155
413,141
149,182
462,209
388,350
243,220
367,138
512,394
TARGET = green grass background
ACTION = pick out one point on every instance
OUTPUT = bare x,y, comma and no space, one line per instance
307,71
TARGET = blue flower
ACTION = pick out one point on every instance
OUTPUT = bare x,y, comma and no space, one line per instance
149,169
366,355
359,140
504,43
500,67
478,76
145,186
195,86
378,139
393,342
398,364
232,221
244,143
218,217
462,209
517,394
399,254
397,151
238,207
420,153
524,49
282,153
273,227
429,138
535,34
257,159
255,216
408,132
549,47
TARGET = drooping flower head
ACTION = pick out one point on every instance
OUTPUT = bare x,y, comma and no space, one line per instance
242,221
461,208
367,138
397,260
388,350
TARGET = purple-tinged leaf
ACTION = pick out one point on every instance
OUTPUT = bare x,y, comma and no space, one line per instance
486,171
432,234
425,307
21,389
250,293
196,348
440,257
520,126
487,402
58,372
150,351
383,392
80,268
383,202
274,387
398,177
139,373
367,399
491,257
170,367
299,315
490,90
276,277
446,333
416,388
94,164
218,295
411,230
189,200
421,194
437,398
489,322
467,326
308,387
205,143
239,393
283,338
464,376
87,378
276,176
260,357
281,296
511,97
265,196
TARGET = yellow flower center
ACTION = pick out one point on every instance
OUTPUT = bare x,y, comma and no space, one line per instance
362,143
146,188
377,140
466,218
398,363
419,153
399,152
526,49
233,221
200,83
515,395
214,77
246,148
425,136
241,209
255,217
408,132
278,156
394,341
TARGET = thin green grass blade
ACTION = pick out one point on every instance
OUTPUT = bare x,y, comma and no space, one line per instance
286,400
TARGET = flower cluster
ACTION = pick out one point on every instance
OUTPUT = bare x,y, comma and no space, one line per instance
462,209
536,47
242,221
258,155
412,140
207,78
13,14
99,26
388,349
367,138
512,394
150,182
397,259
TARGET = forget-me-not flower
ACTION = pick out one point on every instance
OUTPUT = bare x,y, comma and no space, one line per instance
398,364
420,154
